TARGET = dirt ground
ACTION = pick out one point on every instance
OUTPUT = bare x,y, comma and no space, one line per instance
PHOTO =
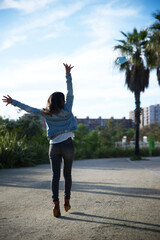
112,199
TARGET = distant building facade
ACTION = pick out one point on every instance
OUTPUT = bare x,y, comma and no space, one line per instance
132,117
127,123
148,115
92,123
151,114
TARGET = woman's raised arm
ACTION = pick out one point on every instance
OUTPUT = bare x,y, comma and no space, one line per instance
69,97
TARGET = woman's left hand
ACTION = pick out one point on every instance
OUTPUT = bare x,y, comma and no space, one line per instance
68,67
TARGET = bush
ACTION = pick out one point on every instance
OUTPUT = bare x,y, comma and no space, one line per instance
112,152
19,153
23,143
11,151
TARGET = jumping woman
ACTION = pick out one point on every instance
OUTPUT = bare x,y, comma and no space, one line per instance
60,124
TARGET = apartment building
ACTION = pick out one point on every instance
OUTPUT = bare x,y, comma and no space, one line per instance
151,114
148,115
92,123
132,117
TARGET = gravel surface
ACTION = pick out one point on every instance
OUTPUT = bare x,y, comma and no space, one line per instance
112,199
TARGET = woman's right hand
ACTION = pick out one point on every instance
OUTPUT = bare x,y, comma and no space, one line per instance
7,99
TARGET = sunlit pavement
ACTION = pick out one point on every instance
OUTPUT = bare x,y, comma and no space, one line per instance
150,163
111,199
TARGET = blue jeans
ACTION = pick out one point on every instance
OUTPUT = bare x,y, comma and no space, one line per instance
58,151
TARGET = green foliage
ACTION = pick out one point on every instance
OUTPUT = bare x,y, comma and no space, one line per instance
109,152
23,143
85,142
136,158
130,133
99,143
153,130
105,136
22,147
145,152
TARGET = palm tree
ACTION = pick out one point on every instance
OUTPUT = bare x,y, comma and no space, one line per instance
156,25
136,69
154,44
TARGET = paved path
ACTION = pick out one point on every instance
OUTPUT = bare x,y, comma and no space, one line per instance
112,199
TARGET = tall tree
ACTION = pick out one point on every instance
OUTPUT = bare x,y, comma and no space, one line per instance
153,46
136,70
156,25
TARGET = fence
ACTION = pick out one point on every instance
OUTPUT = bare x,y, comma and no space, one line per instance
131,144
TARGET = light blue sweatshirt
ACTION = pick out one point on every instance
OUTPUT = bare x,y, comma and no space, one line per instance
59,123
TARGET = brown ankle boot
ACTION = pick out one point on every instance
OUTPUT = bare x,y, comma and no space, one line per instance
67,205
56,209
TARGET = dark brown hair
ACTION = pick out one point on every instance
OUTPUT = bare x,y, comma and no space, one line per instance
55,103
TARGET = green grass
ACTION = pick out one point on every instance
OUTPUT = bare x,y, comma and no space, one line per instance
137,158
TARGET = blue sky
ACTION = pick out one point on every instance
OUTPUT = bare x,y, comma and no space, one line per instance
36,37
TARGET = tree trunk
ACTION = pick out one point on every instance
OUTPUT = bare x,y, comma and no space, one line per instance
158,74
137,121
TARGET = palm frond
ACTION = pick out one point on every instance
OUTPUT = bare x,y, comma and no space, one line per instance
150,58
156,15
137,78
142,35
124,34
144,43
124,49
122,41
156,25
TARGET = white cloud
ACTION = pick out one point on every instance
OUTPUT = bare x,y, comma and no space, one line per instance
32,74
55,30
105,20
51,21
49,17
28,6
9,42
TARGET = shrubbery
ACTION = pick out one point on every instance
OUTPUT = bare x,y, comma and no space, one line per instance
24,142
99,143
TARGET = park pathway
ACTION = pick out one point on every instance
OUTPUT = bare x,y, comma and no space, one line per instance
112,199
